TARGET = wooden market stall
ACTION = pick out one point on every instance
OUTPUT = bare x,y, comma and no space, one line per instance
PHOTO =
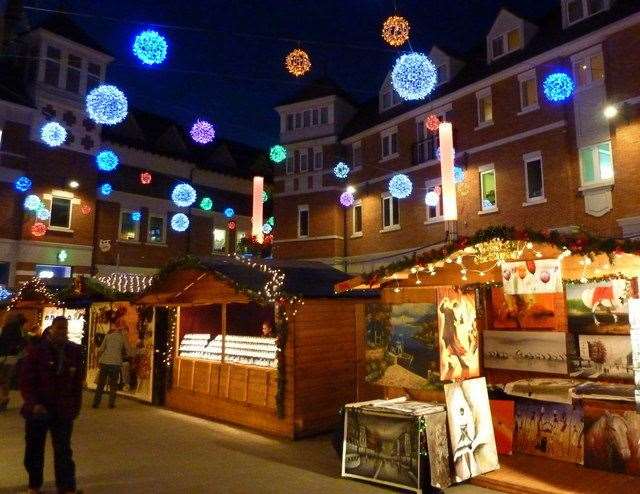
267,345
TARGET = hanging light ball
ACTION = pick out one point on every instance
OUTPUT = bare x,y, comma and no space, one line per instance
267,228
432,123
229,212
42,213
206,204
32,202
232,225
458,174
431,199
298,62
414,76
107,105
278,153
136,216
347,199
107,160
53,134
395,30
202,132
150,47
341,170
558,87
106,189
183,195
179,222
400,186
271,220
146,178
38,229
23,184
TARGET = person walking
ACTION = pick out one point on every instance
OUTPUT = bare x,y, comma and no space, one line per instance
51,384
12,344
114,347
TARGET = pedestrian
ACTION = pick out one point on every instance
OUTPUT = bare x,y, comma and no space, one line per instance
111,355
12,345
51,385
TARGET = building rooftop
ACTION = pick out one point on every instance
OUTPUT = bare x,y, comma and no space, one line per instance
61,25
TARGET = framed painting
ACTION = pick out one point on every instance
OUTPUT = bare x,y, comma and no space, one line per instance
503,415
535,276
527,311
602,357
532,351
598,307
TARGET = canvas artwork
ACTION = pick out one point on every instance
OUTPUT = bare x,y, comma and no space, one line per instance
604,391
553,430
557,390
527,311
470,428
402,345
612,440
525,277
602,356
532,351
458,334
503,414
598,307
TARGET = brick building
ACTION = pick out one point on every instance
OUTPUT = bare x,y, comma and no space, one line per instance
47,72
526,161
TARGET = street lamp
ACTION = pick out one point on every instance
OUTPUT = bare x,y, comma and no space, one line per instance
610,111
351,189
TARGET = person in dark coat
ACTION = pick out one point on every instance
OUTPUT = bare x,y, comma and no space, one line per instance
12,344
51,385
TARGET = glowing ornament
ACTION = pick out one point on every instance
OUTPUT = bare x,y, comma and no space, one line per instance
206,204
265,196
298,62
202,132
4,293
267,228
232,225
107,105
271,221
395,30
106,189
85,209
558,86
53,134
136,215
438,153
347,199
38,229
179,222
341,170
32,202
229,212
278,153
458,174
23,184
145,178
150,47
42,213
432,123
63,255
183,195
107,160
432,199
400,186
414,76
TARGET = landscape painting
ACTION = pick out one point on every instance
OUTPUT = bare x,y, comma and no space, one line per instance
527,311
402,345
535,276
602,356
598,307
503,414
458,334
531,351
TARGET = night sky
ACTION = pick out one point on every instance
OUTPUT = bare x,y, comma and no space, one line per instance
225,58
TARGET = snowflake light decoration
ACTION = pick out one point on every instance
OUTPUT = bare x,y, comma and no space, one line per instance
341,170
400,186
278,153
432,123
183,195
23,184
42,213
229,212
106,189
347,199
150,47
107,160
298,62
206,204
414,76
202,132
53,134
179,222
558,87
395,30
32,202
107,105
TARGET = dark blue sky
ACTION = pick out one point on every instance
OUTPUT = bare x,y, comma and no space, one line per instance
225,56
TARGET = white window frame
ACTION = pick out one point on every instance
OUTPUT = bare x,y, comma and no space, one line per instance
530,75
424,136
354,232
585,11
136,240
504,37
297,123
325,110
80,70
384,197
303,153
389,133
163,240
58,61
480,95
482,170
213,241
584,58
598,181
286,122
290,165
318,164
430,185
526,159
356,145
301,208
61,194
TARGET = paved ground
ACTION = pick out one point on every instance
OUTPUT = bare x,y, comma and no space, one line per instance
142,449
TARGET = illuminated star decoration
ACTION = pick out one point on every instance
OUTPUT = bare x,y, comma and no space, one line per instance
298,62
431,199
107,105
206,204
38,229
106,189
53,134
278,153
202,132
179,222
347,199
229,212
42,213
267,228
183,195
400,186
414,76
145,178
341,170
23,184
32,202
458,174
395,30
150,47
558,87
135,216
107,160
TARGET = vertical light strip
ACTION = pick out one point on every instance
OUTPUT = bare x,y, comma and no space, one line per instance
258,206
449,205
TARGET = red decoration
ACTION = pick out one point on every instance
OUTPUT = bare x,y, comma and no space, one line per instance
85,209
432,123
145,178
231,225
38,229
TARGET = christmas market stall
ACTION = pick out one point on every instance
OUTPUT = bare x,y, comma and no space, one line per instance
263,344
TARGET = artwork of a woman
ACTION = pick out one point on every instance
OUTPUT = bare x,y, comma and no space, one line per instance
452,343
465,437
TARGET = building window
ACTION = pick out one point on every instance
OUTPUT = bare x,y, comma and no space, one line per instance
596,164
304,164
389,143
324,115
434,213
356,153
534,178
298,120
290,165
129,229
577,10
315,117
528,91
52,66
74,71
589,69
488,188
219,241
156,229
60,212
318,159
357,218
306,119
289,122
427,142
390,215
94,76
485,107
303,221
310,182
505,43
5,273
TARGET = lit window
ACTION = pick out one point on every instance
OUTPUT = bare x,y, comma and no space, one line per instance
434,213
528,91
60,212
485,107
219,241
513,40
390,215
52,66
129,228
357,218
74,70
156,230
596,164
488,188
303,221
589,69
47,271
505,43
534,179
240,235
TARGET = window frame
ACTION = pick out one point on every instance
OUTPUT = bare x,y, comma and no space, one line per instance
598,181
163,240
484,170
504,42
324,115
58,227
136,239
425,138
356,146
289,122
394,203
57,61
584,59
318,163
481,96
304,208
303,153
586,11
523,78
535,156
357,233
431,185
72,68
290,164
389,133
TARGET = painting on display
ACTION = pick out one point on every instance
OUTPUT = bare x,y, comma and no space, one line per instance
612,440
539,276
470,428
602,356
137,324
402,345
527,311
598,307
532,351
458,334
503,414
553,389
553,430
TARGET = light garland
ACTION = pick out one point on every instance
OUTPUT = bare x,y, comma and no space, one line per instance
206,204
298,62
23,184
150,47
85,209
395,30
32,202
53,134
458,174
400,186
202,132
278,153
36,286
62,256
107,105
231,225
4,293
558,87
107,160
126,282
347,199
341,170
183,195
179,222
414,76
265,196
106,189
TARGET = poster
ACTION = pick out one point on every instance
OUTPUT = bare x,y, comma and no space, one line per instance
137,323
598,307
527,311
602,356
458,335
553,430
539,276
401,345
470,429
503,414
531,351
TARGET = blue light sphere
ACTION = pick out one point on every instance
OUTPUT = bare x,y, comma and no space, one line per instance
32,202
53,134
267,228
42,213
107,105
150,47
107,160
458,174
202,132
106,189
179,222
414,76
400,186
23,184
136,215
183,195
341,170
558,87
278,153
229,213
